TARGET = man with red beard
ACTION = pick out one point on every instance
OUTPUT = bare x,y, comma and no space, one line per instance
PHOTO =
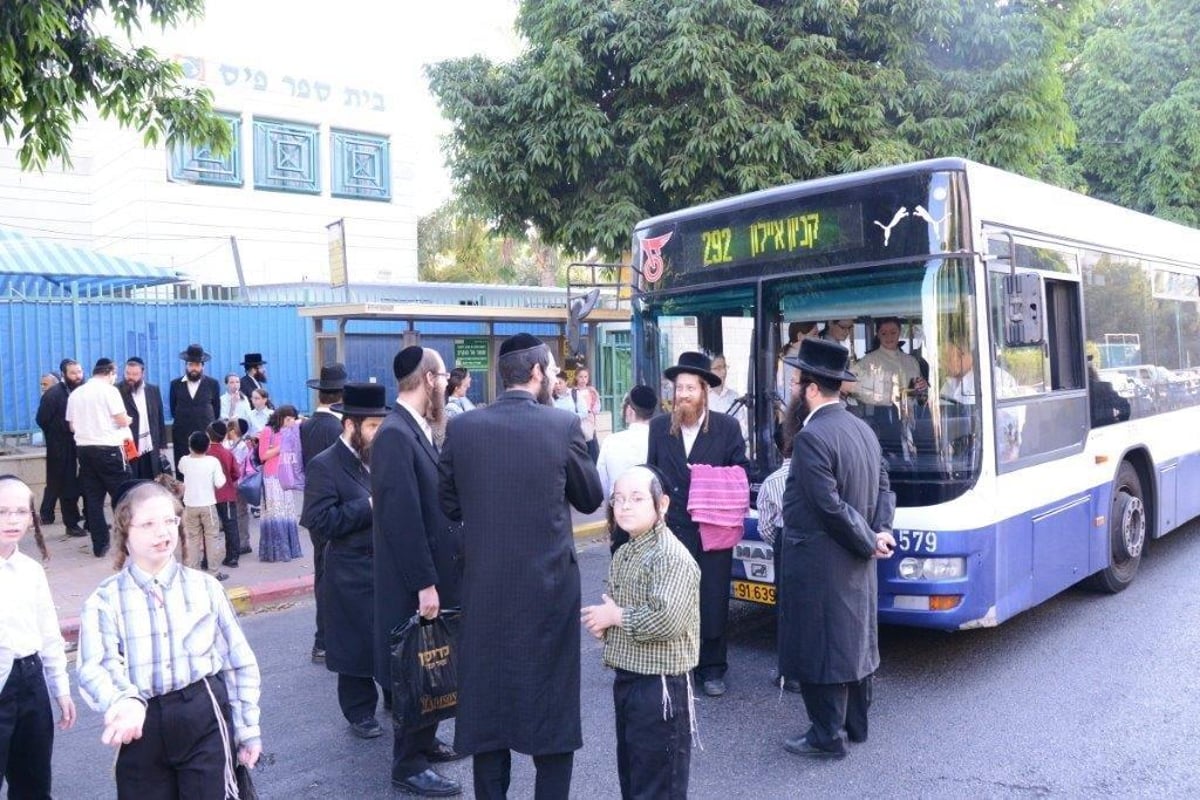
416,548
692,435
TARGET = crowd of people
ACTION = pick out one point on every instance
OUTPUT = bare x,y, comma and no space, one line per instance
413,509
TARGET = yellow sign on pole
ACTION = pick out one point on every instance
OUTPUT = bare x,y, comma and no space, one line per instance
337,254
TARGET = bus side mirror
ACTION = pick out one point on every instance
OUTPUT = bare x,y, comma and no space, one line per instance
1023,304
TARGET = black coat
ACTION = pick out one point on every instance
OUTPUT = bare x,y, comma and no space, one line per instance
337,501
248,385
416,546
721,445
318,432
836,497
189,413
511,473
154,409
62,469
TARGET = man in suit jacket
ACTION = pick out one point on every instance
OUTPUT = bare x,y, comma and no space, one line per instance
337,500
511,473
416,547
256,373
143,403
62,467
317,433
195,400
837,518
692,434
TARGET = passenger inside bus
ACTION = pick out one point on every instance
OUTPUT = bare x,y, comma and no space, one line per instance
725,398
890,389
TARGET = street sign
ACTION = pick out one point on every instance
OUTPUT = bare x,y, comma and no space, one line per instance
471,353
337,253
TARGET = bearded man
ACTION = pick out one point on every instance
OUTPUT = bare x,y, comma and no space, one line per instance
144,405
692,435
62,466
416,548
195,400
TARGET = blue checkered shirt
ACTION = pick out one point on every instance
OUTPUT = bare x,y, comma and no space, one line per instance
147,635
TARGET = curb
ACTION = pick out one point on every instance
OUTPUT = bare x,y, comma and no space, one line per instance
247,599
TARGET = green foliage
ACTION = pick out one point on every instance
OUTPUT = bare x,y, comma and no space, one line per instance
1135,93
54,66
622,110
456,247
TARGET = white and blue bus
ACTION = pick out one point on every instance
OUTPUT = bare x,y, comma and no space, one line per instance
1036,457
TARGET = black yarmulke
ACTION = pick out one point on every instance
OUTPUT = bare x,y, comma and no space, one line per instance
124,489
102,363
643,398
406,361
519,343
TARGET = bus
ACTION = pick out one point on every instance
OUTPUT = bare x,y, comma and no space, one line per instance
1038,476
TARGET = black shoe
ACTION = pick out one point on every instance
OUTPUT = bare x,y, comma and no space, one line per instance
801,747
442,752
102,552
245,551
428,784
222,576
318,655
856,738
714,687
230,563
76,531
368,728
47,520
790,685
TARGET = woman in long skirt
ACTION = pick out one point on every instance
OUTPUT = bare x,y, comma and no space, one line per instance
279,528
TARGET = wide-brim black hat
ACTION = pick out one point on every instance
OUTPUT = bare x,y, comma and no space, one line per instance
195,353
333,378
362,400
824,359
252,360
695,364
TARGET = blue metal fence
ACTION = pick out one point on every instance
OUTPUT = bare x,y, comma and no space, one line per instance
39,333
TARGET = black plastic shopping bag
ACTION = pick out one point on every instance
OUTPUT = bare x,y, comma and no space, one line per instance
424,674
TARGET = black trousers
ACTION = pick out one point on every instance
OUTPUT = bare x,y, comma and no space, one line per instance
492,773
410,749
653,754
26,731
715,568
101,472
62,487
318,542
357,696
227,514
147,466
181,755
837,708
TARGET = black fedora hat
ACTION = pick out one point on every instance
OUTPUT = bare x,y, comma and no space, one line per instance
363,400
695,364
195,353
333,378
252,360
824,359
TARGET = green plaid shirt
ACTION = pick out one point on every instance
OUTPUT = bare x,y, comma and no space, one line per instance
656,582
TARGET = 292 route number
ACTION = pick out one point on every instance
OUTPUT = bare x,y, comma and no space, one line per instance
917,541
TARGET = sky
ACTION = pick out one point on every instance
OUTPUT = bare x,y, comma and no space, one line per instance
386,42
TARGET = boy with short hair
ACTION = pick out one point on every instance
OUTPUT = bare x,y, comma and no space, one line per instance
202,476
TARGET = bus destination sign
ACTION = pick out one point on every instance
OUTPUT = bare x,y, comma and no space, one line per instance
746,238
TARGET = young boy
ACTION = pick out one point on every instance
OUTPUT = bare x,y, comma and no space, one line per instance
202,476
227,495
651,631
162,656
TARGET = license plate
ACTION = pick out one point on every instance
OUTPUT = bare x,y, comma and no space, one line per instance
753,592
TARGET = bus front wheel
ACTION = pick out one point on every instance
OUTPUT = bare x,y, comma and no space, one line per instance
1126,532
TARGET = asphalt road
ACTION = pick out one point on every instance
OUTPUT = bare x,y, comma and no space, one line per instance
1086,696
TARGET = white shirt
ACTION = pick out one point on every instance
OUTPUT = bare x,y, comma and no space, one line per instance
240,409
145,440
90,411
29,623
622,450
257,419
690,432
201,478
419,417
883,374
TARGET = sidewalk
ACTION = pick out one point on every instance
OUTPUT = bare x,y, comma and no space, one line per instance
73,572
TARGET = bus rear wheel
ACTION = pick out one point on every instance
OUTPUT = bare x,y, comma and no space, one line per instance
1126,532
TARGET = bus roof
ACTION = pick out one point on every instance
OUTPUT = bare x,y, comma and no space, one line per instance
999,198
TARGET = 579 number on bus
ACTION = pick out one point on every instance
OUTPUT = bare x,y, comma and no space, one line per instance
917,541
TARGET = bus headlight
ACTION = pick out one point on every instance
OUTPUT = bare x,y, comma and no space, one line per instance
931,569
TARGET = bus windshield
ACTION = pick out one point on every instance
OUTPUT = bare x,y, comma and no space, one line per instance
910,332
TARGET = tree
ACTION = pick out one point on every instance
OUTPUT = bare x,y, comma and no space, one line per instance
55,65
622,110
455,246
1135,92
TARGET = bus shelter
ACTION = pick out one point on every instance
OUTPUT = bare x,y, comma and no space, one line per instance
366,337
